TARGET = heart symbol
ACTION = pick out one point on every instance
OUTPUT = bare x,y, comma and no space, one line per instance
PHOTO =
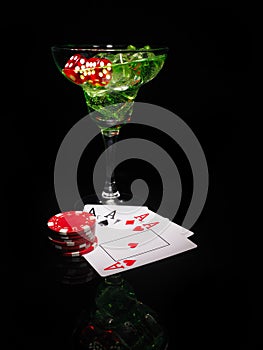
132,245
138,228
129,262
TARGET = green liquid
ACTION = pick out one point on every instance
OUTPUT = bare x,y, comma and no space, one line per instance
114,102
118,320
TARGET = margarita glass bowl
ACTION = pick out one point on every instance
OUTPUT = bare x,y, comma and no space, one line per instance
110,77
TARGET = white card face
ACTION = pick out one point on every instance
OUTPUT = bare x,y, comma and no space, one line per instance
182,230
148,216
120,250
133,245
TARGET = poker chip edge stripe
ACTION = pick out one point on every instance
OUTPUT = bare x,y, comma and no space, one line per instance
83,251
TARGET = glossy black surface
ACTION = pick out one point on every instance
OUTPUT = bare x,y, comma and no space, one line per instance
200,295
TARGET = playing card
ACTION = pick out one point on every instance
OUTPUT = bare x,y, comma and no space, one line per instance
132,219
133,245
129,217
185,232
103,215
119,216
143,217
120,250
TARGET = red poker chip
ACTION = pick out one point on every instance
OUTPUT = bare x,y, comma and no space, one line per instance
71,222
87,236
82,251
69,243
79,252
74,248
72,237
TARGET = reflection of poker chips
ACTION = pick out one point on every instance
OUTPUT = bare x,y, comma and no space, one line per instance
74,270
72,222
78,277
72,261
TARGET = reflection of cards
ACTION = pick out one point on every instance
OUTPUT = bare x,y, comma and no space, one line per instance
120,250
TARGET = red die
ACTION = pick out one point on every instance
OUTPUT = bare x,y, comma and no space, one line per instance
100,71
75,69
96,71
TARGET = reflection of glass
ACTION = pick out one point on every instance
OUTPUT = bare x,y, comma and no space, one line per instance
119,321
110,77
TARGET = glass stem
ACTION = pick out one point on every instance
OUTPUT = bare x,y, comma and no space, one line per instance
110,190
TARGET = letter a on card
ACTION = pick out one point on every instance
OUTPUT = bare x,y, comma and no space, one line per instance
115,266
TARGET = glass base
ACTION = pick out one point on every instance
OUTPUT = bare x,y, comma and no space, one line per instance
123,199
107,195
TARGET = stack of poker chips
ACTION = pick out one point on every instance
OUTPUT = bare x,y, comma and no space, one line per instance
73,233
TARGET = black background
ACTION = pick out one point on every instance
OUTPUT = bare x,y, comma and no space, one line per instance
201,295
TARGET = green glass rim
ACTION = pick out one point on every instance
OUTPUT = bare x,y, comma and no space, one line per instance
107,48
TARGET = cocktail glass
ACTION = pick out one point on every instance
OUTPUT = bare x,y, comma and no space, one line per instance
110,77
